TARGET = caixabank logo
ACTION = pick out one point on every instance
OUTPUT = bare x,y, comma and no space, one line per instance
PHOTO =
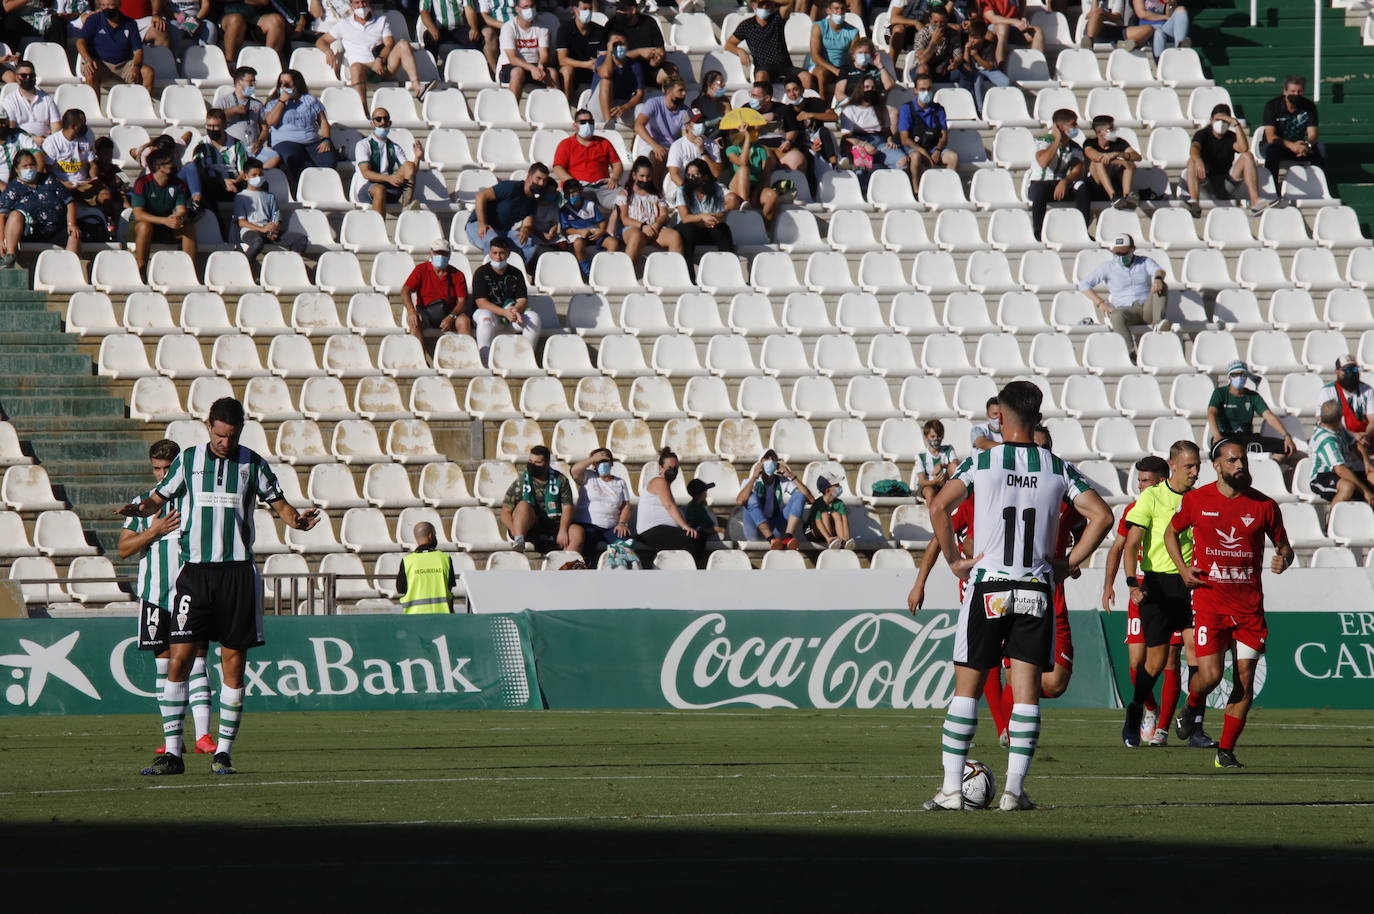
37,666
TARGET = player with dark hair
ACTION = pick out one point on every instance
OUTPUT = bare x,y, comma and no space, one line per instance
1229,521
217,486
1165,604
1150,471
1018,489
158,566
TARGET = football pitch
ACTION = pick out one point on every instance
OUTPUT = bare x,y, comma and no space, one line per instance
701,810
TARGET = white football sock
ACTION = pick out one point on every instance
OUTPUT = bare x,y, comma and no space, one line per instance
230,713
200,697
1023,733
173,715
961,720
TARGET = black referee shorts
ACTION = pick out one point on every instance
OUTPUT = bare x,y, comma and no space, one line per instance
218,601
1167,608
1005,619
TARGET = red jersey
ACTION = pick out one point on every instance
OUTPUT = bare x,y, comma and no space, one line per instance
1228,546
589,163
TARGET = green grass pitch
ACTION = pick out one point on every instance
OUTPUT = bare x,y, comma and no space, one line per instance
652,811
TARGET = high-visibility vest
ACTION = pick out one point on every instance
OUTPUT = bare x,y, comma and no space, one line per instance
427,588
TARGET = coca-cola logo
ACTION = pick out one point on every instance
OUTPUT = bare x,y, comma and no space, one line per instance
707,667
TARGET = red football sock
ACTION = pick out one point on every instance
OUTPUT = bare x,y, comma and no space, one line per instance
1231,728
1168,701
992,691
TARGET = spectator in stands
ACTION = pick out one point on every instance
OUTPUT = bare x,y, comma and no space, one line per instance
1111,165
659,121
435,296
109,189
866,133
805,117
1290,130
1007,21
590,160
1169,21
425,579
217,166
298,128
774,501
1232,410
828,520
160,200
1107,22
602,515
978,68
923,132
904,19
36,207
111,49
587,226
30,108
619,81
258,218
644,41
713,102
525,54
152,28
988,434
644,214
659,525
506,210
767,58
1220,157
936,463
1339,460
69,155
939,47
1356,398
693,145
699,515
493,15
370,51
384,171
502,299
189,24
1058,170
701,205
580,42
864,63
255,20
752,165
781,132
538,506
450,22
242,109
1137,295
830,43
29,19
12,142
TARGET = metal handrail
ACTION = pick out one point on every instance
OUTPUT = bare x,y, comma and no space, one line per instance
318,587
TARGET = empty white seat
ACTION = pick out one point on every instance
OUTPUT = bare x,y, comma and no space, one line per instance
631,441
702,398
567,356
847,440
999,354
738,439
59,533
493,480
784,357
687,438
869,398
179,356
442,484
1338,227
490,399
619,356
718,272
38,568
837,356
1271,352
1165,430
1315,268
331,486
378,399
941,188
1190,394
292,356
84,581
675,356
1139,397
300,443
355,442
14,541
794,440
1261,270
1351,523
323,399
943,355
573,439
1213,350
1115,439
910,527
967,313
268,399
544,399
815,399
760,397
698,315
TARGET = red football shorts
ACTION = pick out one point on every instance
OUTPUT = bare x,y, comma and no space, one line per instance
1136,635
1213,633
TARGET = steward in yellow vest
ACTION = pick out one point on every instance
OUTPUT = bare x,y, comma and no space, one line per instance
425,579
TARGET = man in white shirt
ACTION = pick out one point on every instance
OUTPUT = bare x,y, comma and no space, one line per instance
988,434
70,152
358,36
1135,286
525,53
693,144
242,108
603,508
30,109
383,170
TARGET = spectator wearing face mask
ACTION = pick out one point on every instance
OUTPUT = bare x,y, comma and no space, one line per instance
988,433
701,205
161,210
923,130
538,507
242,109
587,226
1356,398
257,218
1232,410
298,128
525,53
659,121
659,523
1220,158
218,163
643,40
603,509
764,34
938,46
1136,290
111,49
713,102
506,210
1058,171
35,207
30,108
828,521
370,52
619,82
589,159
867,133
936,463
383,170
1290,130
830,42
864,63
502,298
774,502
435,297
1339,461
643,214
12,142
692,145
1111,164
580,42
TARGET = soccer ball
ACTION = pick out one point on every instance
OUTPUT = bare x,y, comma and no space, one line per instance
980,784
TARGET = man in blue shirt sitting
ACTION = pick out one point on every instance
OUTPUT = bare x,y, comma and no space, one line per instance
1136,288
111,50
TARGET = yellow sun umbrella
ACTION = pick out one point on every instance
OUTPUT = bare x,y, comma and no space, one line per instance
742,117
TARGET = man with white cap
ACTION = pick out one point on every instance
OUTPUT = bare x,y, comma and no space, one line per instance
1355,397
1232,410
1136,291
436,298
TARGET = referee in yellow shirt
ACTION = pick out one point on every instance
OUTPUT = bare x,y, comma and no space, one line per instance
1166,605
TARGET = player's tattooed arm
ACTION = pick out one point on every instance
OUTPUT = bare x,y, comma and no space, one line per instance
1283,555
296,520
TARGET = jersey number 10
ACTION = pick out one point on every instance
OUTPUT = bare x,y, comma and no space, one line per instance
1027,537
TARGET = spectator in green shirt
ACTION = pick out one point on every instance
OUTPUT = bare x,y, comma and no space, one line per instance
159,200
829,521
1339,461
1232,410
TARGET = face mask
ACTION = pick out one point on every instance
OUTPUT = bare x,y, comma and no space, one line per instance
216,135
669,475
764,13
924,96
112,15
287,91
575,201
691,184
527,14
499,265
28,82
1238,382
255,181
363,13
1110,136
28,175
755,103
645,185
873,98
584,16
1220,128
604,468
717,91
538,472
620,51
770,467
836,18
439,260
698,129
1125,259
862,60
1075,134
791,101
250,91
935,445
381,132
585,130
1350,380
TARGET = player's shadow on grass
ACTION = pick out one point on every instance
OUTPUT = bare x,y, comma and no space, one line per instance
654,867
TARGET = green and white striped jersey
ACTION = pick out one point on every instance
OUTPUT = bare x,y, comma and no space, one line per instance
217,499
160,563
1330,449
1017,491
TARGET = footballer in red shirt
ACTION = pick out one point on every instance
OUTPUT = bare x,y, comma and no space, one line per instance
1230,522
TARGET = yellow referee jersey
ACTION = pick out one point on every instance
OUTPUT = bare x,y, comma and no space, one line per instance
1153,511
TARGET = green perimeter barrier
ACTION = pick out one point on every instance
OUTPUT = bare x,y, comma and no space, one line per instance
1311,660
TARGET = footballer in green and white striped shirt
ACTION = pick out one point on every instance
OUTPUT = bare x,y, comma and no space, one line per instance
216,487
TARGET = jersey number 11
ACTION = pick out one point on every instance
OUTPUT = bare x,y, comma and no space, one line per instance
1009,538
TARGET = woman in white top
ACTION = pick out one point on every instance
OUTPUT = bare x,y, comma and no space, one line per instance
866,130
602,514
659,524
644,214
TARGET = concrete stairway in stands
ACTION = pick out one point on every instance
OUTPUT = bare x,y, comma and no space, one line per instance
68,418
